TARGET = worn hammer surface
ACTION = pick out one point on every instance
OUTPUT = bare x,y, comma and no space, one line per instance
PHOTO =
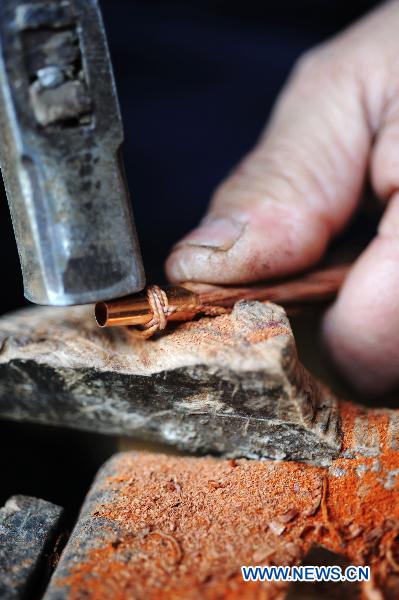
228,385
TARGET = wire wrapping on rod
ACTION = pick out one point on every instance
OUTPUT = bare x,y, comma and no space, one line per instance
161,310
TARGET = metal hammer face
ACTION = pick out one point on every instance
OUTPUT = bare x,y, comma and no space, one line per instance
60,154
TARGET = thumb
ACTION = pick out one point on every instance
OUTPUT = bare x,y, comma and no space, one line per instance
277,211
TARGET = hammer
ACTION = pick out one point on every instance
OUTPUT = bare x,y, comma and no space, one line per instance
60,154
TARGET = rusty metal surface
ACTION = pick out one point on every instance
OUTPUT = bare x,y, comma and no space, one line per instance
60,154
179,528
28,528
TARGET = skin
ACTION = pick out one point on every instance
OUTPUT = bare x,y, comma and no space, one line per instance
335,123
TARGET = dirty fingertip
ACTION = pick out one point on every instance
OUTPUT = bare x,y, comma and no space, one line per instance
218,234
200,255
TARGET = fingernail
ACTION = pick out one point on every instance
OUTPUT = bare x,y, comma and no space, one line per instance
215,233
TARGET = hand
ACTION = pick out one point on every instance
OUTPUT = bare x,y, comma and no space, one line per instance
336,121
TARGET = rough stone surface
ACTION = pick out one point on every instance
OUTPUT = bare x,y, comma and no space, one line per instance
28,527
229,385
176,528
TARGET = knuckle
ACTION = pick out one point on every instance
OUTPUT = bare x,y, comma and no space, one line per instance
331,61
324,69
310,64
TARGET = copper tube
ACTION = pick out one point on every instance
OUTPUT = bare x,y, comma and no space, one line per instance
183,303
135,309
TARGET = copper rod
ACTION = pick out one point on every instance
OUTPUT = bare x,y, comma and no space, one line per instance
152,309
314,286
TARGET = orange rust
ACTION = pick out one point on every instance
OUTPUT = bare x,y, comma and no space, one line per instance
225,513
267,333
169,538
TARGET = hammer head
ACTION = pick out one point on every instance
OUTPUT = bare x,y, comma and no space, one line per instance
60,154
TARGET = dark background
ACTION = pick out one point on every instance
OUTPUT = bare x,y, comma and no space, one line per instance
196,82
